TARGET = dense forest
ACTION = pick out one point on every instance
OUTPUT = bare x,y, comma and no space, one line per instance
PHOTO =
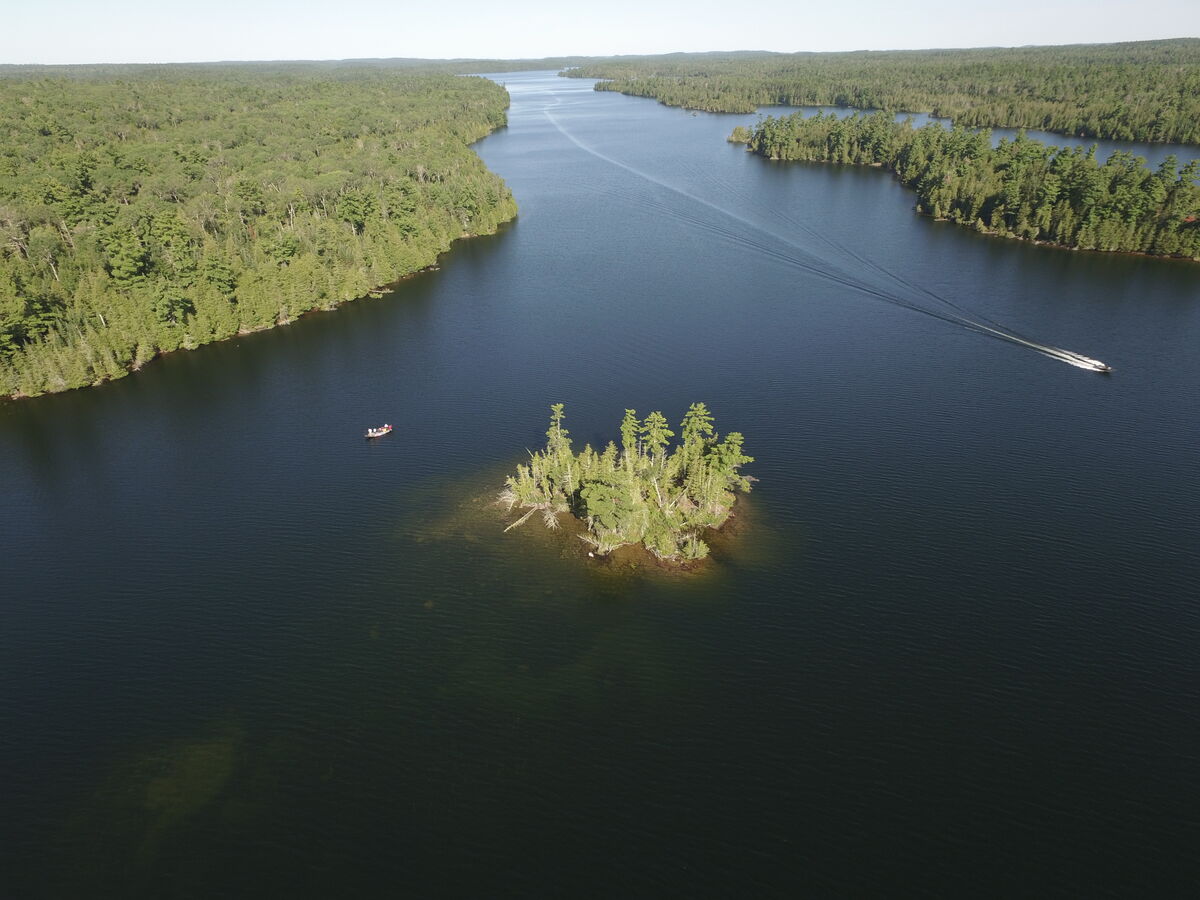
1139,91
638,493
335,68
149,208
1021,188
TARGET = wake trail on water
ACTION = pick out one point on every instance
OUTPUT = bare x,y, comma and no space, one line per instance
741,239
838,247
974,320
824,267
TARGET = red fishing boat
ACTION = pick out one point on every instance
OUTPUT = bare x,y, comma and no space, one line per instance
379,432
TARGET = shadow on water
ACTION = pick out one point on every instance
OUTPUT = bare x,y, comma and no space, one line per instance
134,834
481,664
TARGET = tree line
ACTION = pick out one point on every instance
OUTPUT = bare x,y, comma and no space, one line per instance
643,492
1136,91
1022,188
147,209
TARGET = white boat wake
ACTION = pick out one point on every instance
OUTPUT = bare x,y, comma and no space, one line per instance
947,311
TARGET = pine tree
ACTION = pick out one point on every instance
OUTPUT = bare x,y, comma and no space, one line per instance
638,494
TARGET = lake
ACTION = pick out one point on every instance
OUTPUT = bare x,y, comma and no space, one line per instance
949,647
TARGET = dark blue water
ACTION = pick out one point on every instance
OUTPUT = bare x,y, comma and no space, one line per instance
949,649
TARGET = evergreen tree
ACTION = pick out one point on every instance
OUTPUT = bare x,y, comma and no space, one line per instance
630,428
1021,188
656,435
224,199
640,495
1143,91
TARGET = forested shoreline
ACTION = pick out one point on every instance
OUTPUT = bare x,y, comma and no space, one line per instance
1021,188
148,209
145,209
1135,91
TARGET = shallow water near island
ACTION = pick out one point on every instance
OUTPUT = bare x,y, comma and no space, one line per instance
245,652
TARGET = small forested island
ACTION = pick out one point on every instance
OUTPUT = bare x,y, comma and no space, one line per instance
1132,91
639,493
1022,188
145,209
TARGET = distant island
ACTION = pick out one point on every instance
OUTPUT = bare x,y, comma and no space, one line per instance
1022,188
638,493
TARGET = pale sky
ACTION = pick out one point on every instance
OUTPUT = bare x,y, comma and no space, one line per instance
87,31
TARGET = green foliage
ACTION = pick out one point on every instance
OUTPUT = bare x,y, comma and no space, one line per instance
642,494
1137,91
1022,188
143,209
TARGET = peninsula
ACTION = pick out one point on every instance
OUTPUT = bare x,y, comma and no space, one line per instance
149,209
1021,189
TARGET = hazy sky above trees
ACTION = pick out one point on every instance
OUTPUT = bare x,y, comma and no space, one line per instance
81,31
